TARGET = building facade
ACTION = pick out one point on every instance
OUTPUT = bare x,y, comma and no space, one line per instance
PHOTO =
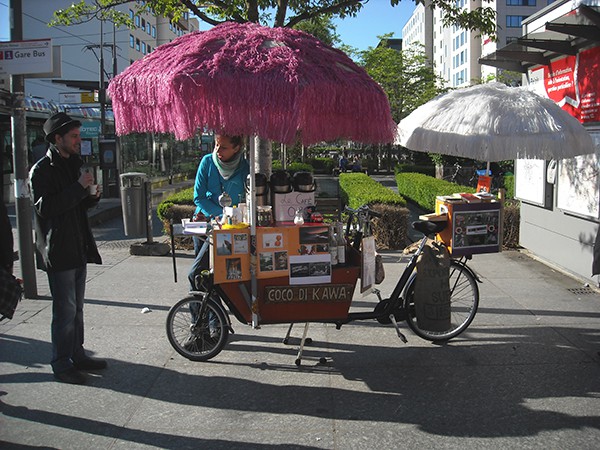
455,52
74,86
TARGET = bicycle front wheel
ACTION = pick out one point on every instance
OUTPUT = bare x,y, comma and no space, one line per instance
197,337
464,300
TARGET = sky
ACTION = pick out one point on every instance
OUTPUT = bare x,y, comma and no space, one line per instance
376,18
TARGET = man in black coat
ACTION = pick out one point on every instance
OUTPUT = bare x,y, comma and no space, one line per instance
64,242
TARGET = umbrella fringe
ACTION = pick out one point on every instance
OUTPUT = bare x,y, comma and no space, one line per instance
203,81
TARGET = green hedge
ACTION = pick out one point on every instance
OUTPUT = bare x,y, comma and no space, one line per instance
509,185
426,170
184,197
422,189
322,165
360,189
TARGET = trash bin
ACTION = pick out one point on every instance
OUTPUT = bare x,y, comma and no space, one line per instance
134,203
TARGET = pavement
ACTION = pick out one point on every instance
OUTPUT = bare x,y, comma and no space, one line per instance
526,373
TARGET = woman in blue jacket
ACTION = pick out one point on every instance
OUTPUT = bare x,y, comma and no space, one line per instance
223,170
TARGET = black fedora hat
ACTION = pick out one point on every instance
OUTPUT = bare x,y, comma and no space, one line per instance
56,122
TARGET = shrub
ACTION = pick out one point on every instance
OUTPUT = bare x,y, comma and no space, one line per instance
391,230
299,167
422,189
426,170
322,165
360,189
509,185
511,223
184,197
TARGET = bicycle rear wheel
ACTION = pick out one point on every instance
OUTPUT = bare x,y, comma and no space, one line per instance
197,338
464,300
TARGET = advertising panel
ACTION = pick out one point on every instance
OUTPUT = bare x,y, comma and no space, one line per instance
570,82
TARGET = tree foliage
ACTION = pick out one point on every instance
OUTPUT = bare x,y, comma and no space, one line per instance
277,13
406,76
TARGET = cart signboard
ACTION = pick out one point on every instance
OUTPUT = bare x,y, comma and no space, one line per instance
324,293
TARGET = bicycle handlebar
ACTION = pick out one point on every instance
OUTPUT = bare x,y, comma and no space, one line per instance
364,209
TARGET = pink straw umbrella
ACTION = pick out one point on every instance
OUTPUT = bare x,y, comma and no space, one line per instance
276,83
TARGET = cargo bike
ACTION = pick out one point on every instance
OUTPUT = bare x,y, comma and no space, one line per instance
199,325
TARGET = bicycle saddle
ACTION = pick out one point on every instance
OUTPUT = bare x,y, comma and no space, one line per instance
428,227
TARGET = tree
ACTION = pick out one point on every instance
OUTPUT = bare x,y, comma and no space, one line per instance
279,13
406,76
322,28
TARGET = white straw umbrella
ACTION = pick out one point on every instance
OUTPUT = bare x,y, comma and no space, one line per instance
494,122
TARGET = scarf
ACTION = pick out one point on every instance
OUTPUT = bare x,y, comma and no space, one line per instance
227,168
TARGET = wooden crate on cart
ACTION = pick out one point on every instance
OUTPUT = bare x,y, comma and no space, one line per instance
474,226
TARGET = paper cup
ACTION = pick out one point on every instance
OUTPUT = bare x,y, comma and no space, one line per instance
93,189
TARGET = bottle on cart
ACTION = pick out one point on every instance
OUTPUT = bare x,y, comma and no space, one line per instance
341,244
333,250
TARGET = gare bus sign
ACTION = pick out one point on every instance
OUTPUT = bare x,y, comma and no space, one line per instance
26,57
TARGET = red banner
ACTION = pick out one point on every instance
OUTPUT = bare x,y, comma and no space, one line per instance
573,83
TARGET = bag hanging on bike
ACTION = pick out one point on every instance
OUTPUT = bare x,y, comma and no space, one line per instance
379,270
10,294
432,288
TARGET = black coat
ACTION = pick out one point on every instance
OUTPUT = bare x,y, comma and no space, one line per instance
64,239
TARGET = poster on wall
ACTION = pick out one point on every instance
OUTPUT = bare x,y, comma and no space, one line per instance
578,189
530,180
571,84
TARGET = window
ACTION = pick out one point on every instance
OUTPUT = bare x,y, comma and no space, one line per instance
149,49
143,47
137,21
131,15
137,45
131,41
520,2
153,31
143,24
514,21
148,27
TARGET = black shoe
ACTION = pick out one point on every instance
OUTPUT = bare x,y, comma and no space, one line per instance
90,364
70,376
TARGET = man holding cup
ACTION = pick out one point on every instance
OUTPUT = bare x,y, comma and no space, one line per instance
60,187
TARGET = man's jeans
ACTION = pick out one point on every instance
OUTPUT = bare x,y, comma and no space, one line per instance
68,289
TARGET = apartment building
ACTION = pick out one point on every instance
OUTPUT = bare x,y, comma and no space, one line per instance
454,51
80,46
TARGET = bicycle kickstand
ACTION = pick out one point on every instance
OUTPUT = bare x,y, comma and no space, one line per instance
400,335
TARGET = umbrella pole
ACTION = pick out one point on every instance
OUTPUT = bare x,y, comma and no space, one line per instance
254,144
